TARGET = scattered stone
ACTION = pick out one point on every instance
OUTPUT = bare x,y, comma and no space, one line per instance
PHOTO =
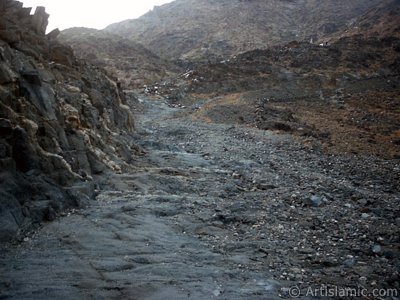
362,280
376,249
350,262
364,215
314,201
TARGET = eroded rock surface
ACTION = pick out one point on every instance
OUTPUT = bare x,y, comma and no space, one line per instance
61,122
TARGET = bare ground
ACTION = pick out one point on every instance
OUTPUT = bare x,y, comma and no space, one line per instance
217,211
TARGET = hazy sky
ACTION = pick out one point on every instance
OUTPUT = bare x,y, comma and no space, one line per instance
91,13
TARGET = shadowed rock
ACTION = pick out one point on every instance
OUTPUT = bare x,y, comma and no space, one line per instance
61,121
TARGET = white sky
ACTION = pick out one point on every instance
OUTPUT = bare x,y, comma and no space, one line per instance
91,13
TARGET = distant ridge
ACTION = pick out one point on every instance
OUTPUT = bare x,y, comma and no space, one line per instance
204,29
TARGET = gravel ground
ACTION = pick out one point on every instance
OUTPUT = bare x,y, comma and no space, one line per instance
216,211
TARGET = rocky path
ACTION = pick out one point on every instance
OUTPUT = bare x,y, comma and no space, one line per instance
218,212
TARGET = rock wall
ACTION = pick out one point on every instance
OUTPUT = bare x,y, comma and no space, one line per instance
62,122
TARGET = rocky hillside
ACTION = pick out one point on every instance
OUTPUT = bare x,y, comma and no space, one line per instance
62,122
342,98
380,21
205,29
133,64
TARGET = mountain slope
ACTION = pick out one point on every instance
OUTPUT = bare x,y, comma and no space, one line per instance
193,29
133,64
383,20
343,97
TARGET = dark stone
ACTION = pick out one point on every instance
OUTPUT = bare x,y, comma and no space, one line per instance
389,254
10,37
62,54
40,20
6,128
24,12
23,152
5,75
8,227
281,126
14,184
80,159
50,215
7,164
42,97
376,249
349,263
5,150
96,99
314,201
10,216
52,35
32,76
5,95
39,210
3,5
96,166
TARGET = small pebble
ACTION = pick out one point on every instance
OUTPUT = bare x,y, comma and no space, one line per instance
362,279
376,249
365,216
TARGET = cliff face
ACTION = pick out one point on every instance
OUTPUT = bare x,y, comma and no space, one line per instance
193,29
133,64
61,123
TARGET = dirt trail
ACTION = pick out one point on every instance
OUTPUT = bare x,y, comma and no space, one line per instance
217,211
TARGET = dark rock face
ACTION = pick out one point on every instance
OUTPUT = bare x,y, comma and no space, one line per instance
61,122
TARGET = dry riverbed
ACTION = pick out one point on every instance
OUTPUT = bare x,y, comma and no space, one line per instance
216,211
